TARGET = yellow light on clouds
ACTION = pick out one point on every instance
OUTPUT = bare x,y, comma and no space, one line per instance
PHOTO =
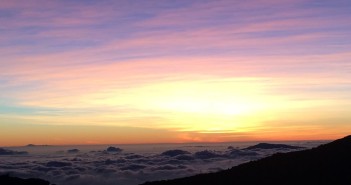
214,105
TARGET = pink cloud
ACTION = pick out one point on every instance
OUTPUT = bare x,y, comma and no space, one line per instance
295,53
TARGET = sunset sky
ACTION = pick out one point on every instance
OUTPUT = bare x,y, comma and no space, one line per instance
161,71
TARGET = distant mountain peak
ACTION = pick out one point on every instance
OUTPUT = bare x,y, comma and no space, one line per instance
272,146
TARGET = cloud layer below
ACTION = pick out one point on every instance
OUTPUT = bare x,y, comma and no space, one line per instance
153,162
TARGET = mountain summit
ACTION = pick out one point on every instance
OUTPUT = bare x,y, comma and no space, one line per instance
327,164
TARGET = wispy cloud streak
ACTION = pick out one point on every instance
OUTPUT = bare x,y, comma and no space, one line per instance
174,63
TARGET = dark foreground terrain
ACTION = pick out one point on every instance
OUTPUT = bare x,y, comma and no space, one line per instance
8,180
328,164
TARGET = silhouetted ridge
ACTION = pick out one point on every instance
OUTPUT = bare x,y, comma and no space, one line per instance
7,180
339,143
271,146
328,164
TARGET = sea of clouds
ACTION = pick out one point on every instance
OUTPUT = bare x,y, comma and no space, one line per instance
116,166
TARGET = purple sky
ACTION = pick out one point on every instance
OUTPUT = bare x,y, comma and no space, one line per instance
183,70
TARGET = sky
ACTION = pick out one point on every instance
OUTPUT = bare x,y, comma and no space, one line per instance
163,71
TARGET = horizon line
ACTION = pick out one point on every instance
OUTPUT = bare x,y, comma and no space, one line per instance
208,142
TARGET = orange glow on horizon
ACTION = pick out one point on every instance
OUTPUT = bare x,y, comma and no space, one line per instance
177,71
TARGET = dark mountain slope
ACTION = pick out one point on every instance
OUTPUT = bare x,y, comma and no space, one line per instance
328,164
7,180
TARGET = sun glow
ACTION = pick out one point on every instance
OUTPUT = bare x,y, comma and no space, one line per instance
206,106
220,97
186,70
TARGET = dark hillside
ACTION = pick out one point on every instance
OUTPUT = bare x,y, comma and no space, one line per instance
327,164
8,180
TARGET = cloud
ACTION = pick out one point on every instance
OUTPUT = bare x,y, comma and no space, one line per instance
172,153
184,157
58,164
11,152
133,167
73,48
103,170
118,161
133,156
239,153
113,149
73,151
206,154
127,168
151,60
